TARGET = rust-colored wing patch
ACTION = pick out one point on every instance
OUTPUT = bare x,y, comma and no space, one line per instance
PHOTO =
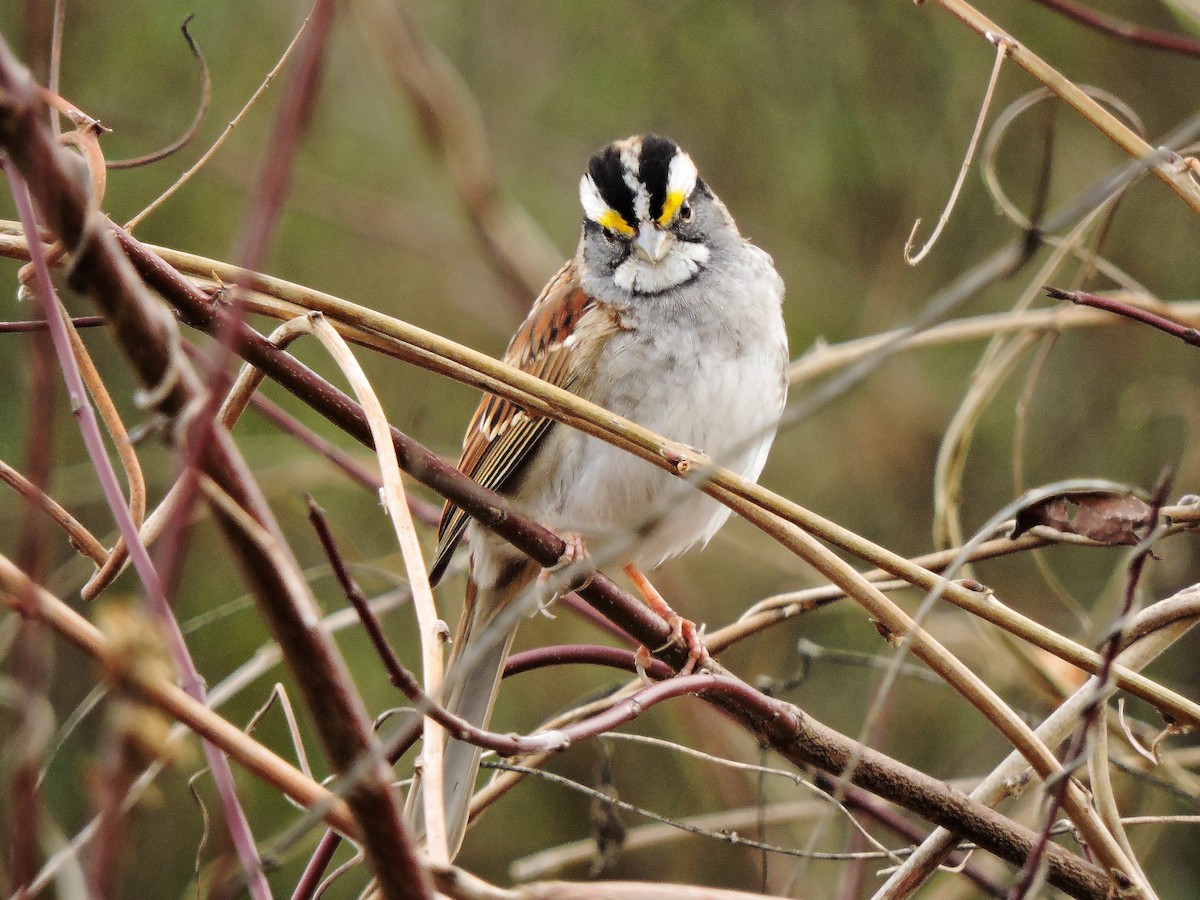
502,436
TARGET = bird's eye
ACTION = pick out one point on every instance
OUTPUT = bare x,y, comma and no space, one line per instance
685,212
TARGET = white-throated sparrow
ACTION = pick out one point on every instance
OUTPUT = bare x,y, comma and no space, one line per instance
667,316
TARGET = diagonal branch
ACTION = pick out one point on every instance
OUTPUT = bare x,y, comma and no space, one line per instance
814,744
145,333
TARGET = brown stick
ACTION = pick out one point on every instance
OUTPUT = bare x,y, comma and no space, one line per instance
146,335
812,744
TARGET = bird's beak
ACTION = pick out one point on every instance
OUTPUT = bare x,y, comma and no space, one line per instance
652,243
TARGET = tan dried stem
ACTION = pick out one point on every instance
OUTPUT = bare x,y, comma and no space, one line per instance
15,592
824,359
81,539
431,628
914,258
1006,780
1173,174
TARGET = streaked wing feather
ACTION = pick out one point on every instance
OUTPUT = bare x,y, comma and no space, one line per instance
502,436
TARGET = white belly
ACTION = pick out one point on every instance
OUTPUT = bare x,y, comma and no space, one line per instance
717,386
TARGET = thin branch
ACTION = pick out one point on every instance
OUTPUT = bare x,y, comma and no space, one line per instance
582,654
358,600
1166,170
81,539
201,110
1126,31
914,258
823,359
1186,333
35,325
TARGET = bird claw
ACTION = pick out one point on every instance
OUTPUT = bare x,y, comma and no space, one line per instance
573,553
641,662
683,631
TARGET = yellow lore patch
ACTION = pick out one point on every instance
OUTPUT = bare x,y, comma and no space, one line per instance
670,207
614,221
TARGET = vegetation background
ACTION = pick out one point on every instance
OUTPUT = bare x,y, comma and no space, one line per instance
827,128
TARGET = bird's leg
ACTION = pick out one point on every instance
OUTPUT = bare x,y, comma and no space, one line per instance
683,631
575,552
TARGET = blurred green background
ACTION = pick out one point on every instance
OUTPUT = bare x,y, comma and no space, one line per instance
827,128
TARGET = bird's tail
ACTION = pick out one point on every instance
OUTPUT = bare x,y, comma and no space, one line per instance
482,649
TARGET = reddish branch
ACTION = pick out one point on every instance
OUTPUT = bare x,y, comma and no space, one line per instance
34,325
582,654
145,335
337,711
1185,333
1126,31
771,721
1077,748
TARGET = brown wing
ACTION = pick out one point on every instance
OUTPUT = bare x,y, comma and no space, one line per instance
502,436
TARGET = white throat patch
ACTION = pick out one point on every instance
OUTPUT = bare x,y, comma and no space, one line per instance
640,276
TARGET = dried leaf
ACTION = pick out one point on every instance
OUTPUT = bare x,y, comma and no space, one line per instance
1107,517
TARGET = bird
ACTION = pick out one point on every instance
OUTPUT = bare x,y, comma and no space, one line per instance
665,315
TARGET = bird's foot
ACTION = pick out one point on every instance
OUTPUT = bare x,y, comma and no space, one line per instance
683,631
573,554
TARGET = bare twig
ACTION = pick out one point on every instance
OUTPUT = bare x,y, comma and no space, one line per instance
823,359
145,335
1126,31
81,539
43,325
1186,333
190,132
913,258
